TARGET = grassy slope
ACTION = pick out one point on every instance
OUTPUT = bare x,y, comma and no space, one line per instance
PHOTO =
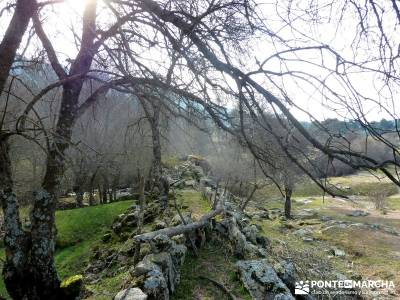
360,184
214,261
374,254
78,231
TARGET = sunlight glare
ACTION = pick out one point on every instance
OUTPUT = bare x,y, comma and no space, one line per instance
77,5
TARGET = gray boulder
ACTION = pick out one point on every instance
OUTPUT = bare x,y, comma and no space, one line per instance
161,243
160,269
142,268
131,294
251,233
337,252
261,280
303,232
306,214
190,183
358,213
287,273
156,285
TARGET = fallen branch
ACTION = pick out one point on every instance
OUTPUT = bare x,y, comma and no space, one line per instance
180,229
220,286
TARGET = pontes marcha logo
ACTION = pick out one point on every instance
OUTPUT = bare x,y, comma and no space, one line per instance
302,288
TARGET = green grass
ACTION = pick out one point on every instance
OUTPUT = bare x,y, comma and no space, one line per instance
79,230
215,262
194,200
170,161
107,288
78,225
393,203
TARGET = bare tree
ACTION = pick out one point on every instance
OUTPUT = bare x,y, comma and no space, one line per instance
211,42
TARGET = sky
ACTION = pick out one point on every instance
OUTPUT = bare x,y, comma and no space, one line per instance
303,94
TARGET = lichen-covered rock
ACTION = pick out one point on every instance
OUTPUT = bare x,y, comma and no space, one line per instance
159,272
106,237
129,247
159,225
179,239
306,214
131,294
156,286
130,218
161,243
263,241
261,280
117,227
169,270
178,254
190,183
142,268
72,286
287,272
337,252
251,233
145,249
241,247
303,232
176,220
358,213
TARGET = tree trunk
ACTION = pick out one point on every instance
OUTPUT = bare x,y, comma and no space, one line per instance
91,188
288,202
79,199
153,116
247,201
105,192
28,271
13,37
15,270
142,203
155,130
43,276
100,194
110,195
91,197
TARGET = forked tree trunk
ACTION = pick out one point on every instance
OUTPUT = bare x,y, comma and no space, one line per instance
29,271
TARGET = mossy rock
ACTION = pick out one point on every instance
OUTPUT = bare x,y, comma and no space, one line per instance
72,286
